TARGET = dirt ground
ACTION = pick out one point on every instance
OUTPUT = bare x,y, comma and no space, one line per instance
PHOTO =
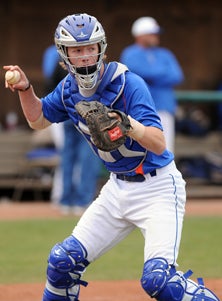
96,290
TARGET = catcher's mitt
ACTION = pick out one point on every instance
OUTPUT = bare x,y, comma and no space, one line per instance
108,131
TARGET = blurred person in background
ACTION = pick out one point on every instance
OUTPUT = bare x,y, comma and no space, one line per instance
80,171
159,68
74,185
53,73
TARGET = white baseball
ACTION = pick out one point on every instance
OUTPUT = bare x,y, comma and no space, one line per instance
12,77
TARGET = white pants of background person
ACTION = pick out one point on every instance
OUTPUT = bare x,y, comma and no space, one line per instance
168,123
57,132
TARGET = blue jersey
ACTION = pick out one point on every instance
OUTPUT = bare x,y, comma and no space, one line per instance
122,90
159,68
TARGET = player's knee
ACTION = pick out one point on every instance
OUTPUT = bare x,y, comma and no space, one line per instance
155,274
66,263
163,282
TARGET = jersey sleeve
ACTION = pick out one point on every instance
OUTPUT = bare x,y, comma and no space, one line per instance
139,102
52,105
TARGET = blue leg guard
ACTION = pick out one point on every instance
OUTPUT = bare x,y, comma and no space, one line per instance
66,264
162,282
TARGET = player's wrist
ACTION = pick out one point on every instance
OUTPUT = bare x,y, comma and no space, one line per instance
137,129
26,89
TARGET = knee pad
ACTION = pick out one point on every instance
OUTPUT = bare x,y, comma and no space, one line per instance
163,282
66,264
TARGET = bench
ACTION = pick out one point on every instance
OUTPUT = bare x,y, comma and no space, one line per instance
18,172
187,146
208,146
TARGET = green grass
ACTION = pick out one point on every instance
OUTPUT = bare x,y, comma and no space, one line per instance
201,246
25,247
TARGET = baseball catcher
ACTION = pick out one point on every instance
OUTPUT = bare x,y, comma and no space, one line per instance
108,128
145,189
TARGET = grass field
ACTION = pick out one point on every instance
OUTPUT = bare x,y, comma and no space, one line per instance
25,246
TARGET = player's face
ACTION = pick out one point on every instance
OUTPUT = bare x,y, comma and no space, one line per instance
149,40
83,56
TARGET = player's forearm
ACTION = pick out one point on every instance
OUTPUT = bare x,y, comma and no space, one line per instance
31,104
150,138
16,80
32,109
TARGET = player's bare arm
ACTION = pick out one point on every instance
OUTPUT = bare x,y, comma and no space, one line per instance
149,137
153,140
30,103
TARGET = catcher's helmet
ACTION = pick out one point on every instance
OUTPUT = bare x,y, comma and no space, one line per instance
81,30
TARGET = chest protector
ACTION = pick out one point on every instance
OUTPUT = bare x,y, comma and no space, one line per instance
129,156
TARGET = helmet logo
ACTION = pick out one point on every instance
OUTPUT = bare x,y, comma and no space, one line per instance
82,35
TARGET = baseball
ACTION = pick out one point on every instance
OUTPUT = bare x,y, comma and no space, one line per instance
12,77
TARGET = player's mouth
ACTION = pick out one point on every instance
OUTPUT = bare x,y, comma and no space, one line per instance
86,70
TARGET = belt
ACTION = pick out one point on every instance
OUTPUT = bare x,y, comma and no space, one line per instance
136,178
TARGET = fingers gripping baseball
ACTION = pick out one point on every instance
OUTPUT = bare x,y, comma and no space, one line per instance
108,128
15,79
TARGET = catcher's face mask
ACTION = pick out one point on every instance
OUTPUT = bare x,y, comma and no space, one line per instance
84,62
76,31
